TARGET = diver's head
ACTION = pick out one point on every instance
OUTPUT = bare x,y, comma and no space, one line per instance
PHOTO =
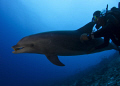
98,18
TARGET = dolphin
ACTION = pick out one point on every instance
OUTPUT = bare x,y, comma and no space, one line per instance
59,43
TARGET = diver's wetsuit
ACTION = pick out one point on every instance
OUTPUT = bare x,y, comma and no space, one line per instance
111,30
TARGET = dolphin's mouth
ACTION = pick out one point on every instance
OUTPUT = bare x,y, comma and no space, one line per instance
16,49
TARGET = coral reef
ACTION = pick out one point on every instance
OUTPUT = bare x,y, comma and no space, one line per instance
106,73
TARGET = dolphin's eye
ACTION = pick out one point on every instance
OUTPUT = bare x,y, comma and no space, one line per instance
32,45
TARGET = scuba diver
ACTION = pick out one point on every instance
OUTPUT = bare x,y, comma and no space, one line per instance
110,22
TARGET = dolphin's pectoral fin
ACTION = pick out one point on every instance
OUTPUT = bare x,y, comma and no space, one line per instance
54,59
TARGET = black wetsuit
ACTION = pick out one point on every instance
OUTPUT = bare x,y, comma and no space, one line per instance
111,30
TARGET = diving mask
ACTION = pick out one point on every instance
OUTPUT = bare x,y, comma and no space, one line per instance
94,19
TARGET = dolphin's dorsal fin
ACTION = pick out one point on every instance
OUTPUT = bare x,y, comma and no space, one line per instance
54,59
87,28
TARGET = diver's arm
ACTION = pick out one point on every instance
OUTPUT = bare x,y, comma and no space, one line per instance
102,32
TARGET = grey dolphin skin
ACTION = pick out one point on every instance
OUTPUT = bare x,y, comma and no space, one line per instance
59,43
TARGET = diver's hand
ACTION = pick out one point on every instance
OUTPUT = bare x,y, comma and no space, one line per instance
83,37
91,50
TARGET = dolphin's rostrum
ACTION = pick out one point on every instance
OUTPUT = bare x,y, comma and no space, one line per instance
59,43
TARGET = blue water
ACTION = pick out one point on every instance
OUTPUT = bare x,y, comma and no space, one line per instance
20,18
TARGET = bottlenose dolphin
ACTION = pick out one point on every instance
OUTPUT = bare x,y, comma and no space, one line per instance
59,43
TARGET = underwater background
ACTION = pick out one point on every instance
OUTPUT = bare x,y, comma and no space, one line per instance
20,18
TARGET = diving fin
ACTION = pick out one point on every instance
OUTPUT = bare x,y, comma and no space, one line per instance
54,59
